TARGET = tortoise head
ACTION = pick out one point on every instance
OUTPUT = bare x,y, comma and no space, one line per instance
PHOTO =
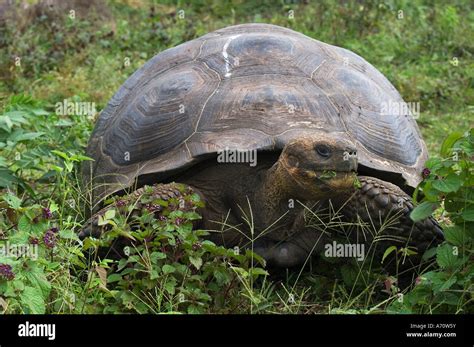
320,165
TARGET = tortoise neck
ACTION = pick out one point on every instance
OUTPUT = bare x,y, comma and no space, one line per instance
275,193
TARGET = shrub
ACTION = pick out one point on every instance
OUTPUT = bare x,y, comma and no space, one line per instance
448,186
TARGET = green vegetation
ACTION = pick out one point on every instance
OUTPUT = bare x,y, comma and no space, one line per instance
424,49
448,183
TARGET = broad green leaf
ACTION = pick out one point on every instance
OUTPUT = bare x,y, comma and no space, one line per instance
433,163
448,283
102,221
446,256
39,227
24,224
114,278
468,213
155,256
7,289
17,117
37,277
196,261
435,279
222,276
8,123
449,184
455,235
20,136
109,214
20,237
449,142
40,112
419,295
53,207
154,274
13,201
33,299
167,269
170,285
7,178
31,213
423,210
429,192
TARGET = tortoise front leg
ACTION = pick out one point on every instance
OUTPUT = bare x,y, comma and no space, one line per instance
302,243
385,211
163,192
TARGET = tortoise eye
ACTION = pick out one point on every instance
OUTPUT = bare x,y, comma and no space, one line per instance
323,151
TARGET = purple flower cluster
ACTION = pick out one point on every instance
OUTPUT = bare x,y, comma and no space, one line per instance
153,207
6,272
50,237
47,213
426,172
120,203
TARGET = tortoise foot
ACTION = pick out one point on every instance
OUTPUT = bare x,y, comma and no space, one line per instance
294,251
280,254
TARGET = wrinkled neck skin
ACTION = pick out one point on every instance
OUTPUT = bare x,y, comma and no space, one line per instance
274,193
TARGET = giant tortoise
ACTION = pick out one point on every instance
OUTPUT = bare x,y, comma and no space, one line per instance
313,114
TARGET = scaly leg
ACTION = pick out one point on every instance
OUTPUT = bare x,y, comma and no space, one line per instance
385,210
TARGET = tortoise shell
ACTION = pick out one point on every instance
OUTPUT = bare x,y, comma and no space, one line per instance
248,87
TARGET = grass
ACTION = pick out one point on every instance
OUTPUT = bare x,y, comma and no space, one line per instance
425,51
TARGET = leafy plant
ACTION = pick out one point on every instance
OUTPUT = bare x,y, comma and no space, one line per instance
34,253
448,185
164,264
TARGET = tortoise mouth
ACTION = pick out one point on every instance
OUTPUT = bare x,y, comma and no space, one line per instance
336,180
